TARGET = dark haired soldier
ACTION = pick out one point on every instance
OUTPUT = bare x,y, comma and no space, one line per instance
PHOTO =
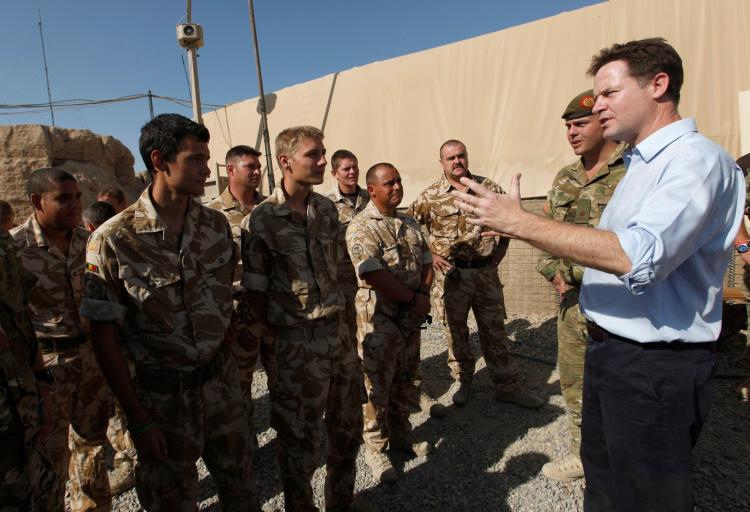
97,214
652,289
7,216
236,202
52,247
114,196
160,274
579,193
394,274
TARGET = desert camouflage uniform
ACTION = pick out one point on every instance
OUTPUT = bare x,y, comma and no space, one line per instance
293,260
26,474
388,332
346,277
249,337
473,284
576,199
80,399
172,297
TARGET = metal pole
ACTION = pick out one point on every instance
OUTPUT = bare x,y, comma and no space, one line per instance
46,74
195,93
262,100
151,103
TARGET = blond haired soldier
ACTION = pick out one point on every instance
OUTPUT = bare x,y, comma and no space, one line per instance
579,193
26,475
236,203
290,257
159,280
466,278
394,273
52,247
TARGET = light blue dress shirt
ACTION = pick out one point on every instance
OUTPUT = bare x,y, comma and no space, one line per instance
676,213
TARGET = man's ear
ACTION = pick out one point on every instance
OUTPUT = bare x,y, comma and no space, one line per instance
659,85
230,169
284,163
157,160
36,201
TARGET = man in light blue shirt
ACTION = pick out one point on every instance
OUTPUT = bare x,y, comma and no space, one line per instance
652,291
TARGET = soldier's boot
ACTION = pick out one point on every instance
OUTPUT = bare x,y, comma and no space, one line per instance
460,392
122,478
432,406
381,467
515,395
407,443
566,469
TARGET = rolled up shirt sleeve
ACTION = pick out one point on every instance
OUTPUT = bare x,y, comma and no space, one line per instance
103,295
658,239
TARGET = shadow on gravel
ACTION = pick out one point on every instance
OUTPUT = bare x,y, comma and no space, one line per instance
463,472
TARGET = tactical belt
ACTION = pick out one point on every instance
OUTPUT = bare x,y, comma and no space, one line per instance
315,329
600,334
484,262
60,344
174,381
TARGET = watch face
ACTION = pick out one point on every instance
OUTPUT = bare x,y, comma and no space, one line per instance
743,248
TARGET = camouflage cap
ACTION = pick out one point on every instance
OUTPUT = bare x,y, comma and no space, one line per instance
580,106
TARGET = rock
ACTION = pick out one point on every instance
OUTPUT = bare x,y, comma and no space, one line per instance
97,162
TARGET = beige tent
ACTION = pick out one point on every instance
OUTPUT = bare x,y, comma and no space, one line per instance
503,93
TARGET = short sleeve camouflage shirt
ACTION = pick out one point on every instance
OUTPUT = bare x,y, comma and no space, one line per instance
450,236
293,259
381,242
56,296
576,199
171,294
347,210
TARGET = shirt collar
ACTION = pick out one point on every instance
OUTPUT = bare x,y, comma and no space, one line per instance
147,220
282,209
663,137
444,185
229,202
35,237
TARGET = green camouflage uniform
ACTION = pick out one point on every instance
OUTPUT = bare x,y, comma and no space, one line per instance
474,284
80,399
293,260
26,474
388,332
172,297
576,199
249,338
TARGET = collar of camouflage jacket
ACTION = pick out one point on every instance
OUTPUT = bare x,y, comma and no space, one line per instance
444,185
146,219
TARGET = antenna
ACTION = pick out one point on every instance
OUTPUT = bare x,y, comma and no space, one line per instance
46,73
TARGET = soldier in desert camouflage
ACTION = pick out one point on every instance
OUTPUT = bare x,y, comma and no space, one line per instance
579,193
52,247
394,273
236,203
290,257
466,278
159,281
26,474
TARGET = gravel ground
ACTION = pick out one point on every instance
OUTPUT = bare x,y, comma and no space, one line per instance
489,455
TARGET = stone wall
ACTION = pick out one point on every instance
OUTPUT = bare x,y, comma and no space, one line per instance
97,162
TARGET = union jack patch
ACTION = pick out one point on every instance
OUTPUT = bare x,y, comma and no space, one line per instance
92,268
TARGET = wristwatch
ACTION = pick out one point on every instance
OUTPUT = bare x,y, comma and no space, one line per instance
742,247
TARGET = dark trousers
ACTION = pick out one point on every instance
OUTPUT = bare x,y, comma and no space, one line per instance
643,408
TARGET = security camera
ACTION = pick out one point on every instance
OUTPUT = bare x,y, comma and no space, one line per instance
190,35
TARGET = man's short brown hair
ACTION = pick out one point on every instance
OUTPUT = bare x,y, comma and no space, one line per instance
290,138
645,59
115,193
339,155
6,212
240,151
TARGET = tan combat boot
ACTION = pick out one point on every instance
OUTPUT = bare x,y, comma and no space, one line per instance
460,392
566,469
515,395
431,406
407,443
381,467
122,478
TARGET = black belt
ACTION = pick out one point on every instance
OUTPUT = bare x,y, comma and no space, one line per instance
174,381
600,334
484,262
60,344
